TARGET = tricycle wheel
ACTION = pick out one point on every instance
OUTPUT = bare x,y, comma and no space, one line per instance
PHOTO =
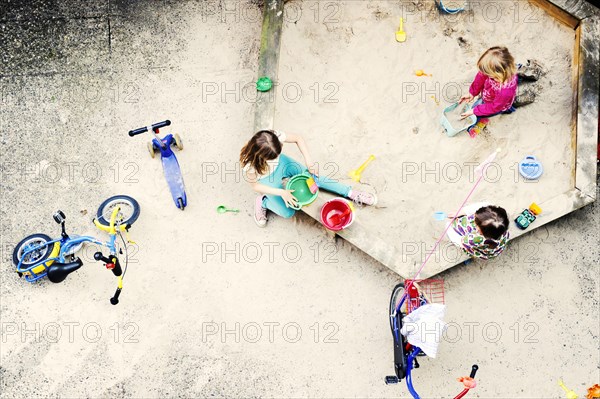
151,149
36,256
130,210
180,204
178,142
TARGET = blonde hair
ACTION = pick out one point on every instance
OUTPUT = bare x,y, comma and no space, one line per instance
498,64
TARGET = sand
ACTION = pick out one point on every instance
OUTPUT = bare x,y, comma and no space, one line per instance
196,289
455,118
360,96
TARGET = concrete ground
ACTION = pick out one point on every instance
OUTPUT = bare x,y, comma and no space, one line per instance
212,306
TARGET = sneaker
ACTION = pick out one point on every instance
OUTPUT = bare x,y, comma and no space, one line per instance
363,197
532,70
260,213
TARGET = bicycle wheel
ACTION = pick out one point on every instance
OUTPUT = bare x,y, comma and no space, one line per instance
397,294
38,255
130,210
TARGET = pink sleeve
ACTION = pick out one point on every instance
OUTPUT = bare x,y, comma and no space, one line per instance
502,102
477,85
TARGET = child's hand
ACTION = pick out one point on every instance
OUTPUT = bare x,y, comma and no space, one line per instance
314,170
466,98
289,199
466,114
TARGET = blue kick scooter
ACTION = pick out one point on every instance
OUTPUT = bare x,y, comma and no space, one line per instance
169,160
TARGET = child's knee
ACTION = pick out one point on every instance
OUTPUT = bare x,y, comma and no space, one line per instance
287,213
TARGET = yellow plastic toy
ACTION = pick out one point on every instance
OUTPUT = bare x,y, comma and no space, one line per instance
400,34
570,394
356,174
420,72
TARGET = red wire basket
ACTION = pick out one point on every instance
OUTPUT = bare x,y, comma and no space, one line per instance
421,292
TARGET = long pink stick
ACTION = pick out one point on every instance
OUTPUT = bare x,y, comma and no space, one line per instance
479,170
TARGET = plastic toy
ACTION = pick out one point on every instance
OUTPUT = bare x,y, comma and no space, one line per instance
400,34
570,394
530,168
312,184
223,209
440,216
37,256
420,72
593,392
264,84
450,130
406,298
449,10
528,216
478,127
356,174
337,214
300,185
169,160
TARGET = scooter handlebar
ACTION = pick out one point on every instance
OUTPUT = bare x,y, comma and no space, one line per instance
135,132
154,127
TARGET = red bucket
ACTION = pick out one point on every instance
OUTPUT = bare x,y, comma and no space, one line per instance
337,206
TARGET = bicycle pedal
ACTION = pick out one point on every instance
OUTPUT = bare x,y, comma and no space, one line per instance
391,379
59,217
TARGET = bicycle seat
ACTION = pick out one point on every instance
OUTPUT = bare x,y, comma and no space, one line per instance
58,272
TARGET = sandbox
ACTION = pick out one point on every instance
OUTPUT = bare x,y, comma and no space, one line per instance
344,83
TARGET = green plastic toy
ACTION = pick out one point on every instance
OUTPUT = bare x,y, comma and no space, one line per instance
302,189
264,84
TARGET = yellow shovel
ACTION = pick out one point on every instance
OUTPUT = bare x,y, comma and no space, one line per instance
400,34
355,174
570,394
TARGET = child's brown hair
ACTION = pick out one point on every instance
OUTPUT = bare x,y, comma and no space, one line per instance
492,221
262,147
497,63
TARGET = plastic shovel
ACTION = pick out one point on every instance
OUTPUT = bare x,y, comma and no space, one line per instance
400,34
569,393
337,219
357,173
223,209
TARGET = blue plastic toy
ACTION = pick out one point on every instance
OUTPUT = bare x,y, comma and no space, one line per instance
452,131
530,168
450,10
169,160
440,216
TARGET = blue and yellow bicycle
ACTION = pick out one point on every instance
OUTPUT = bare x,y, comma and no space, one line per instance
38,256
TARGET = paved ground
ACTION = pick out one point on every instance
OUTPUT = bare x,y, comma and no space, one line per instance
202,314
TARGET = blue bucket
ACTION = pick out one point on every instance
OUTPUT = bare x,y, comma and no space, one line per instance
530,168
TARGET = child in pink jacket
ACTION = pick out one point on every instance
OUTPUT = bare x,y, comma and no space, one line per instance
496,82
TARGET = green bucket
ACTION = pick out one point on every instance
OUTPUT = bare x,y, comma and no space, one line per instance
299,184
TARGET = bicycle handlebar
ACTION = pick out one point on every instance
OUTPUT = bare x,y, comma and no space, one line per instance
474,370
154,128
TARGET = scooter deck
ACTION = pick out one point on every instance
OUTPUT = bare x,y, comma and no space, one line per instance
174,179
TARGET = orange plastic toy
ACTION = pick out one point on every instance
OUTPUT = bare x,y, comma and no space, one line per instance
468,382
593,392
